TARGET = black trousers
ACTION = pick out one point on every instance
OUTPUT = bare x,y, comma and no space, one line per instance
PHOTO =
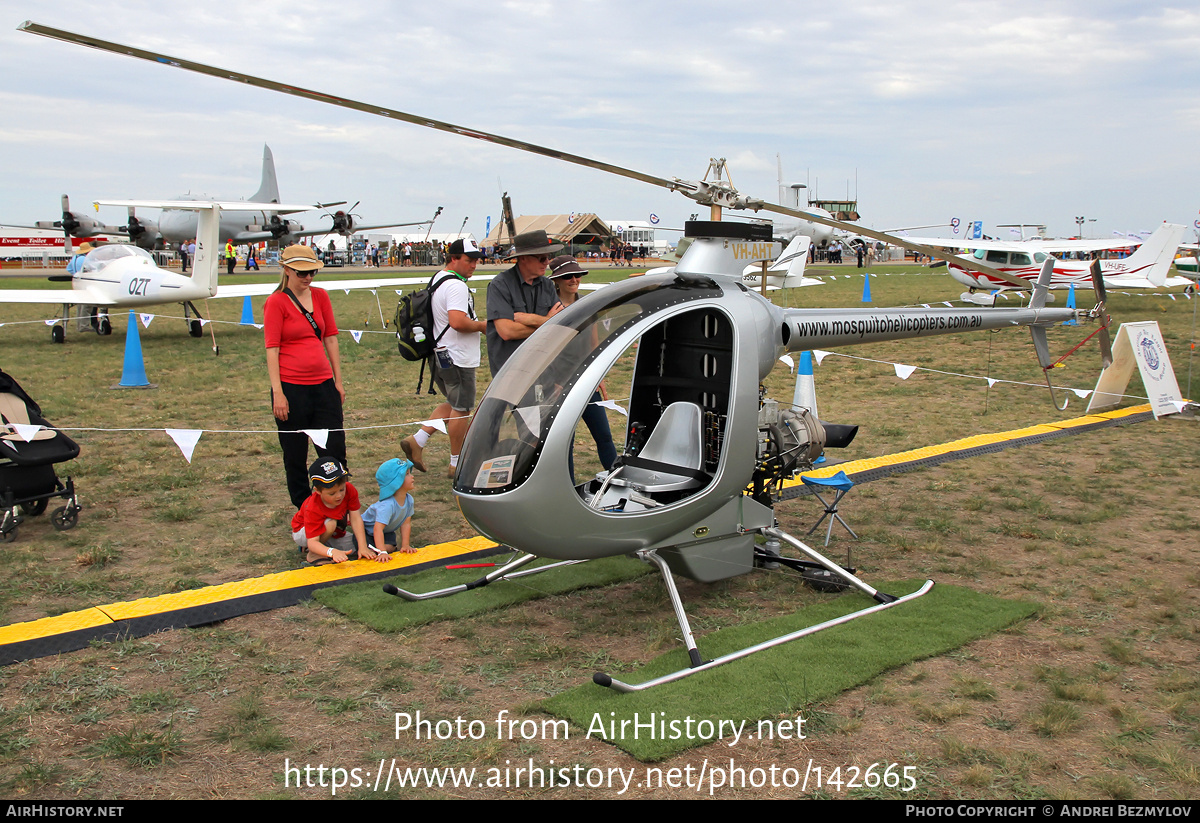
309,407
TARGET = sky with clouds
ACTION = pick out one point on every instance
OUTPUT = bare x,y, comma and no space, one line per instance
1003,112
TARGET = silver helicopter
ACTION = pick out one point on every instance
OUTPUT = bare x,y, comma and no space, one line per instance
705,452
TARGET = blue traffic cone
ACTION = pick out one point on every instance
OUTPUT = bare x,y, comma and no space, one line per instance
247,312
1071,305
866,288
133,375
805,393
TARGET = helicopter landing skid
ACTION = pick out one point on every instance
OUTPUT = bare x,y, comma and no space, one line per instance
698,664
506,572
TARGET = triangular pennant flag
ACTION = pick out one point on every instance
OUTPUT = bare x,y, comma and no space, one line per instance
438,424
903,371
204,321
1179,404
612,404
27,431
50,322
356,334
318,436
924,305
373,291
258,325
1082,394
186,440
145,318
789,362
991,382
1171,296
948,304
1003,295
531,416
820,355
347,291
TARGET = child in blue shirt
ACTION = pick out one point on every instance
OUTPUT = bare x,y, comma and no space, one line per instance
395,507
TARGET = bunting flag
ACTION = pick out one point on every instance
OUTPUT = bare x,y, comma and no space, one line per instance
789,362
356,334
991,382
50,322
903,371
820,355
186,440
318,436
438,424
1082,394
612,404
27,431
145,318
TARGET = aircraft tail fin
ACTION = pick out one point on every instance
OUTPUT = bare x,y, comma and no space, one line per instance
208,247
792,262
1157,253
268,191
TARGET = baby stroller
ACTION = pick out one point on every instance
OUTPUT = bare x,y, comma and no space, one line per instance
27,478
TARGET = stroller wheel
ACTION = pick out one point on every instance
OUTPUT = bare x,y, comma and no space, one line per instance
34,509
64,517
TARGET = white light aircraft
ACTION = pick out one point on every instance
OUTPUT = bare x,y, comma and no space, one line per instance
124,276
1146,268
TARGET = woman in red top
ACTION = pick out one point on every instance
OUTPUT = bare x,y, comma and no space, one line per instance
304,367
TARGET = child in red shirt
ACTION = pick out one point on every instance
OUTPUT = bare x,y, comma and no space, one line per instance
320,524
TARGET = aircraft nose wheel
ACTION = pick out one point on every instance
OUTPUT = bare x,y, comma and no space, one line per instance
195,328
57,334
104,327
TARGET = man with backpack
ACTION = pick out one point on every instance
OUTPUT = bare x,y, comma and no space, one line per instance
455,333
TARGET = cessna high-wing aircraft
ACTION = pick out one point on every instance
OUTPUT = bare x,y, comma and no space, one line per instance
1146,268
261,218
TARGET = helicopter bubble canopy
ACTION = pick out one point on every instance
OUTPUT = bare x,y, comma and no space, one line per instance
508,432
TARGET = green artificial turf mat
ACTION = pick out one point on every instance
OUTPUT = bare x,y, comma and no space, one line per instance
786,680
369,604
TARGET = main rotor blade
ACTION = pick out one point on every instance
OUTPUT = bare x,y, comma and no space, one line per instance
394,114
322,97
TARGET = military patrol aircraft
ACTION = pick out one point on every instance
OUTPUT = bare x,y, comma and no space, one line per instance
261,218
703,452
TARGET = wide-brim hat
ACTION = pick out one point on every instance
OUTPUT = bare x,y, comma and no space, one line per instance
391,476
563,265
84,248
533,242
300,258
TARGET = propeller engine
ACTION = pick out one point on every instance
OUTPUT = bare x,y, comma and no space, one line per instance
343,221
144,233
75,225
281,229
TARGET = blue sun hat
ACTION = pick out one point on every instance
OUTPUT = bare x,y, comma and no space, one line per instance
391,476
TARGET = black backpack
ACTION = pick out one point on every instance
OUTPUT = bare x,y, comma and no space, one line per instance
414,322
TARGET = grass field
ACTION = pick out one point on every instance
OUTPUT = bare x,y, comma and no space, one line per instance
1097,696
